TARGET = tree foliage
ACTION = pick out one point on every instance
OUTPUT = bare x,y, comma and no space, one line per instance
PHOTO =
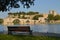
1,21
37,16
57,17
32,13
50,17
6,5
23,13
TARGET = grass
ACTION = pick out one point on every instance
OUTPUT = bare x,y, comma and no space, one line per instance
26,37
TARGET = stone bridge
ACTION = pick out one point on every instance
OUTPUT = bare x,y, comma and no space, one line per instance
12,21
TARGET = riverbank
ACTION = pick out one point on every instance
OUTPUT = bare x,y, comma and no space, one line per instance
35,34
27,37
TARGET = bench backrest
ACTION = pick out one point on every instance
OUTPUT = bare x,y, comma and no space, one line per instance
19,28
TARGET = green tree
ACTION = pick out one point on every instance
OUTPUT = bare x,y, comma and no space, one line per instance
37,16
6,5
32,13
57,17
50,17
1,21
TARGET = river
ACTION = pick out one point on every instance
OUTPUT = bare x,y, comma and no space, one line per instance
51,28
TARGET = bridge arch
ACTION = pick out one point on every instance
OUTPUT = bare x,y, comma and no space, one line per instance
16,21
27,21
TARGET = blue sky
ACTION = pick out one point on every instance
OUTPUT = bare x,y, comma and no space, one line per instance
42,6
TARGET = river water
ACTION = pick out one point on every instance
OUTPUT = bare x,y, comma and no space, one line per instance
51,28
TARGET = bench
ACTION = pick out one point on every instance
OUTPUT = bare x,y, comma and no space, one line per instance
20,29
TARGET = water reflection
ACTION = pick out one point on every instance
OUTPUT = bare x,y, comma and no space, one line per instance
39,28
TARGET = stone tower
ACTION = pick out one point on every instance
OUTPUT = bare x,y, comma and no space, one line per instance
53,12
